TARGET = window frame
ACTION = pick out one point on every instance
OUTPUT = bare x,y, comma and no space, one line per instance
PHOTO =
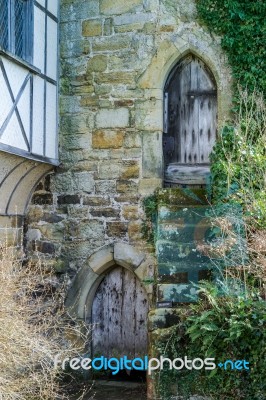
26,33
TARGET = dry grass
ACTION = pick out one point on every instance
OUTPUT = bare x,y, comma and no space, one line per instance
253,272
33,324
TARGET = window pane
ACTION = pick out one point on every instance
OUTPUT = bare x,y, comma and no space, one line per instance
20,20
4,24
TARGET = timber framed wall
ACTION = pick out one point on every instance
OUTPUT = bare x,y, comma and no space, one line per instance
28,119
29,111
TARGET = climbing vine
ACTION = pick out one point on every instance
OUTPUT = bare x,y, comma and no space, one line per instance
242,26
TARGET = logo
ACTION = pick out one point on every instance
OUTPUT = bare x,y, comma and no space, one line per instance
145,364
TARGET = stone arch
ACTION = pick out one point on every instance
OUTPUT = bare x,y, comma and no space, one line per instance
18,178
152,82
190,121
81,293
169,53
187,50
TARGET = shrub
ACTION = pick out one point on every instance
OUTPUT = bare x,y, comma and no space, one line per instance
220,327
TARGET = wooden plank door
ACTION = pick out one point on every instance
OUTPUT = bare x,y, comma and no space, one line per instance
119,316
191,112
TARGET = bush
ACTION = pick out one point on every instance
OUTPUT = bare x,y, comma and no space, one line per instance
230,327
220,327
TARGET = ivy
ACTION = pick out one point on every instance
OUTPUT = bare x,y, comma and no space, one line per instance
242,25
238,158
150,206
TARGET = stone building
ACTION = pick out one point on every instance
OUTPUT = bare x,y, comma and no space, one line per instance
118,60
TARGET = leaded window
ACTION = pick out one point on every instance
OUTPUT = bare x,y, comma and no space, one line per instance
16,27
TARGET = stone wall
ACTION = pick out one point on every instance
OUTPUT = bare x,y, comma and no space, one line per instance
115,58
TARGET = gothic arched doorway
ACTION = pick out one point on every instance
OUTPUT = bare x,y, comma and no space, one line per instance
119,316
190,122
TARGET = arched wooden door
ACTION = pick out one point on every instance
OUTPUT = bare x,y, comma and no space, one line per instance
119,316
190,116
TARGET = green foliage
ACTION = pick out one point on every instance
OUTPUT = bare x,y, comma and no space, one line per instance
242,25
239,157
222,328
230,328
238,160
150,205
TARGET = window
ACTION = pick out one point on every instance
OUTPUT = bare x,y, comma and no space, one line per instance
16,27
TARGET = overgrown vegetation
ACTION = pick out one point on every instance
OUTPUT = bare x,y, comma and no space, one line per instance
229,321
150,206
242,26
238,160
34,327
220,327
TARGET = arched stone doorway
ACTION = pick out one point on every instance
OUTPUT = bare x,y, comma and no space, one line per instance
119,316
118,270
190,122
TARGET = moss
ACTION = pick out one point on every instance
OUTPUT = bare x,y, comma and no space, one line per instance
173,198
182,196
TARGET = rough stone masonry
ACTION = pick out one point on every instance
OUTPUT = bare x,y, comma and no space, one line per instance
115,58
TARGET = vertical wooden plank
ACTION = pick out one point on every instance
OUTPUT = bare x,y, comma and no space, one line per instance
176,118
204,128
141,310
100,321
193,117
119,316
185,134
213,125
173,120
204,83
165,112
115,294
194,67
207,120
128,315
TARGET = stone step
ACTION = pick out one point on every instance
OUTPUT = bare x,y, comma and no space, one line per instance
182,197
181,271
